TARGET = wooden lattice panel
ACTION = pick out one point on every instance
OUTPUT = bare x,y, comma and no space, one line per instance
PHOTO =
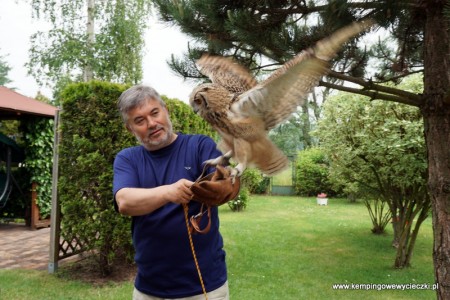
69,248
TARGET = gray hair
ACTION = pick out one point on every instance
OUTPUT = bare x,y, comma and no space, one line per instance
136,96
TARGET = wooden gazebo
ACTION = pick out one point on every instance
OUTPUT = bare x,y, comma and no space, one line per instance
15,106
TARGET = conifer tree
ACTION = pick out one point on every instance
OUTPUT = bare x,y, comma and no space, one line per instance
263,34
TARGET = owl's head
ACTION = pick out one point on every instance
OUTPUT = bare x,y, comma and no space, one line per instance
199,98
210,99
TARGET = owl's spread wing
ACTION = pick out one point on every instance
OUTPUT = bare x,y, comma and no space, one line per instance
275,99
226,73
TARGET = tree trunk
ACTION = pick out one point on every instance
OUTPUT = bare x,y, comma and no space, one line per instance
437,137
88,73
403,241
406,233
436,112
422,216
396,226
306,125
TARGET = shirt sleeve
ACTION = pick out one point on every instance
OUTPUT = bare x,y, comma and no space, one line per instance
125,174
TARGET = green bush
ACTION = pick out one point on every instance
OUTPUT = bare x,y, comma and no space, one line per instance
241,201
185,120
39,160
92,135
254,181
311,175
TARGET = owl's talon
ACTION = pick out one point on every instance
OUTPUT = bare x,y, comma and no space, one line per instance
213,162
233,174
223,160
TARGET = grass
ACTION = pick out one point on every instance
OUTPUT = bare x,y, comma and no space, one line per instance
291,248
278,248
39,285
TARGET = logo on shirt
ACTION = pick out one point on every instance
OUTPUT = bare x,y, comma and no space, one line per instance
187,168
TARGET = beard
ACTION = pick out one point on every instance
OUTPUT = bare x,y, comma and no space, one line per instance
164,137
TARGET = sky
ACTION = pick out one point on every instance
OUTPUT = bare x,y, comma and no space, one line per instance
16,27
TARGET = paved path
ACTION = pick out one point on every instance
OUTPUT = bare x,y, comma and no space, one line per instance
21,247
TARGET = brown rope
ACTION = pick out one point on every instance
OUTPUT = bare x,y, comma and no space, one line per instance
186,217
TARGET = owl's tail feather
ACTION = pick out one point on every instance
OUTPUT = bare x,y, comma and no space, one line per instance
268,157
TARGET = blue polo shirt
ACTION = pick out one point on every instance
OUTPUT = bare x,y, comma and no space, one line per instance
164,258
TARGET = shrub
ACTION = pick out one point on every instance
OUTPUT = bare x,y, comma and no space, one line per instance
241,201
311,176
92,135
39,160
254,181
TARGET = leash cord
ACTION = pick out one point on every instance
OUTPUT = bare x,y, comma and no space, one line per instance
186,218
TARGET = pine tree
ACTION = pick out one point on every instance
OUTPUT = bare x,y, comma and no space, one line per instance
263,34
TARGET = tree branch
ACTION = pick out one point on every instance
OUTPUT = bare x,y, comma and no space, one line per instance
373,90
373,95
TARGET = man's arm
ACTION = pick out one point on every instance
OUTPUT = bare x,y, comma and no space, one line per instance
141,201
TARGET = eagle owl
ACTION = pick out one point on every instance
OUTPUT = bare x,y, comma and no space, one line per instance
242,110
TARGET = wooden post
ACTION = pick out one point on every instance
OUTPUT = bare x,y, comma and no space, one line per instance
36,221
56,209
34,207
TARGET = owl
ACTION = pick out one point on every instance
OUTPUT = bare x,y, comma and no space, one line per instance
242,110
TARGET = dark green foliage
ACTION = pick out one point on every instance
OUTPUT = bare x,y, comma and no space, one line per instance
185,120
19,204
254,181
92,135
312,173
39,135
241,201
260,34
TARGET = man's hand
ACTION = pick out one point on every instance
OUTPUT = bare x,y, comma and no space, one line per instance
180,191
141,201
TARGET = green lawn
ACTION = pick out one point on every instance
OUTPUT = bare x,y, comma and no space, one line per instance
291,248
279,248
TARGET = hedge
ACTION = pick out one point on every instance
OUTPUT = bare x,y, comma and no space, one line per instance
92,135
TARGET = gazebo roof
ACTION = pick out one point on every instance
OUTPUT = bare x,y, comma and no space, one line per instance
13,105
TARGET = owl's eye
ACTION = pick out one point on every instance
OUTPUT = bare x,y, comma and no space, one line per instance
198,101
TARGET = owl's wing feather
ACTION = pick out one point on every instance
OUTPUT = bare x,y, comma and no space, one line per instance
226,73
275,99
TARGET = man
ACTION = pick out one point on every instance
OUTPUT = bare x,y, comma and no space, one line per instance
151,181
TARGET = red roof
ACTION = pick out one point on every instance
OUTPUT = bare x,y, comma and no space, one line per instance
13,104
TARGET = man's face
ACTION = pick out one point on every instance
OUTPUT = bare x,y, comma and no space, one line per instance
151,125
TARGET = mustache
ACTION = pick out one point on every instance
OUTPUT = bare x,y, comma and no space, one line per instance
153,130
